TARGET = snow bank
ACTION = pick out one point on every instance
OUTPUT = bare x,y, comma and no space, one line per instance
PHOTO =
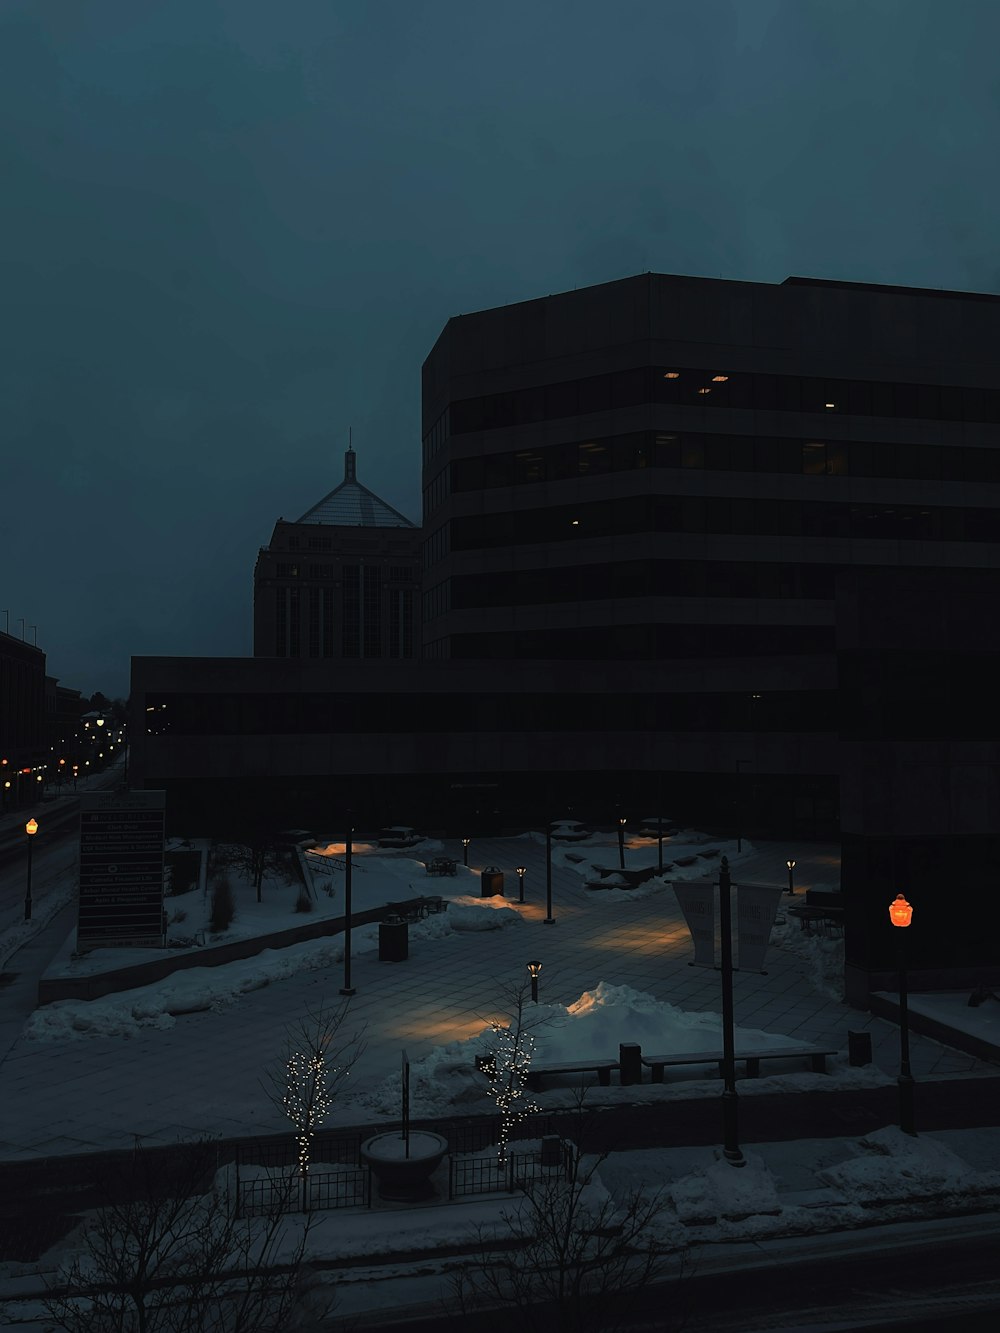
894,1165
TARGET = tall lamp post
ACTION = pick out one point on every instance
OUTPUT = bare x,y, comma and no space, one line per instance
901,914
534,968
621,841
730,1101
347,988
465,851
31,828
548,919
791,881
520,872
739,804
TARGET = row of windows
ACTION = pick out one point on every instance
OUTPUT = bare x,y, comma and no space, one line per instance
436,491
724,453
887,698
721,515
715,387
653,643
368,628
636,578
437,546
396,573
198,714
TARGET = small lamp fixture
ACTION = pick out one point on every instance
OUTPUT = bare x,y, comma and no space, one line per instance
791,882
100,721
520,872
31,828
465,851
900,911
534,969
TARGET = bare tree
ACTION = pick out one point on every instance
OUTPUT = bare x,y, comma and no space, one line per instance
166,1253
316,1061
570,1258
508,1065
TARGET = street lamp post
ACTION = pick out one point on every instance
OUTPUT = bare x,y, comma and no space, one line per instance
534,969
659,844
901,914
31,828
791,881
465,851
621,841
739,804
548,919
520,872
730,1101
347,988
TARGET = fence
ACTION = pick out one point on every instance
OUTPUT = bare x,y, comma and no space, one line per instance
263,1197
486,1175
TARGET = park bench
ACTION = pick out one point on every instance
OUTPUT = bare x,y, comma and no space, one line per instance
602,1068
815,1055
416,909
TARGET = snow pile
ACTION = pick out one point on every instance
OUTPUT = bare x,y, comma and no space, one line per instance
823,953
898,1166
466,913
595,1025
725,1191
591,1028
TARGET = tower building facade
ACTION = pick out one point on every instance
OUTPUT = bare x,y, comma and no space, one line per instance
340,582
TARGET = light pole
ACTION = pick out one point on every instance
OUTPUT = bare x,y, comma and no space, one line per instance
739,805
31,828
659,844
548,919
347,988
520,872
901,914
534,968
730,1102
791,881
621,841
465,851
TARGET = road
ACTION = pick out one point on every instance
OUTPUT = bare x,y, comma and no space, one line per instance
934,1277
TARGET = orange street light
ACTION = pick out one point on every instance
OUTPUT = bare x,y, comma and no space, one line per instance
901,914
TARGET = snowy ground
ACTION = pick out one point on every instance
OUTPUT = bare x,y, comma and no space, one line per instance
184,1056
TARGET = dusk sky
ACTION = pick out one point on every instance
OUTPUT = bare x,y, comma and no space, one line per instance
232,229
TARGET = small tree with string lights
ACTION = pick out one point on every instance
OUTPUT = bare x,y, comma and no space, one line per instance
317,1060
507,1068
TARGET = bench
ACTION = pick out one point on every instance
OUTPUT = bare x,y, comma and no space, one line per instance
829,920
602,1068
416,909
815,1055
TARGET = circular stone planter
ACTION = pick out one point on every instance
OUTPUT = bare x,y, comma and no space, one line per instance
400,1176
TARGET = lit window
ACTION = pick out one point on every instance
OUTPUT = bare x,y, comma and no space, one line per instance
829,404
704,390
672,375
719,379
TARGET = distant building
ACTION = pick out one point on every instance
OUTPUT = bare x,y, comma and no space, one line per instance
340,582
23,747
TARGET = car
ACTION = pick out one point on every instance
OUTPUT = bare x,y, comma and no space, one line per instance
442,865
294,837
569,830
398,835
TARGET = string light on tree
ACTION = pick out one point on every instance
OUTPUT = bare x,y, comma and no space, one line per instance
307,1097
513,1049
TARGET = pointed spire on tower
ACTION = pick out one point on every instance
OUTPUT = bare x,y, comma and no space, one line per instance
350,458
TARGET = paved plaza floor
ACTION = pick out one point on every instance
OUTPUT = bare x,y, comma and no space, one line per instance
204,1074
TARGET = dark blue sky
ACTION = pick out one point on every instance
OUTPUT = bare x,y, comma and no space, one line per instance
231,229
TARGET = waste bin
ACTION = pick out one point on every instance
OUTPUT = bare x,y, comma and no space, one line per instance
492,882
629,1063
393,940
859,1048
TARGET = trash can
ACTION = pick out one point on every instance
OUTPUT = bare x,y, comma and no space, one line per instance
393,940
859,1048
629,1063
492,882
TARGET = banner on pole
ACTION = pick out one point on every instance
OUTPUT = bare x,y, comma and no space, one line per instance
697,902
756,908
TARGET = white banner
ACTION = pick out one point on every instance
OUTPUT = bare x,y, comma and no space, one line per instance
697,901
756,908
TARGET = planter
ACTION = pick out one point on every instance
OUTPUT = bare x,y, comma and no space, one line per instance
400,1176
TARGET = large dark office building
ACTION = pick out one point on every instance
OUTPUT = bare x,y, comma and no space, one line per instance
651,509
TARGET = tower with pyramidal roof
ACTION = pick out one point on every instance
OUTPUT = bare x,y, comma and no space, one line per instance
342,581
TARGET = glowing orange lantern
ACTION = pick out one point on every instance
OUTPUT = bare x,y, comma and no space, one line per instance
900,911
31,828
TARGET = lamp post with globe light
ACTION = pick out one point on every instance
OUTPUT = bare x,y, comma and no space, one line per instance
534,970
31,828
520,872
901,914
791,882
